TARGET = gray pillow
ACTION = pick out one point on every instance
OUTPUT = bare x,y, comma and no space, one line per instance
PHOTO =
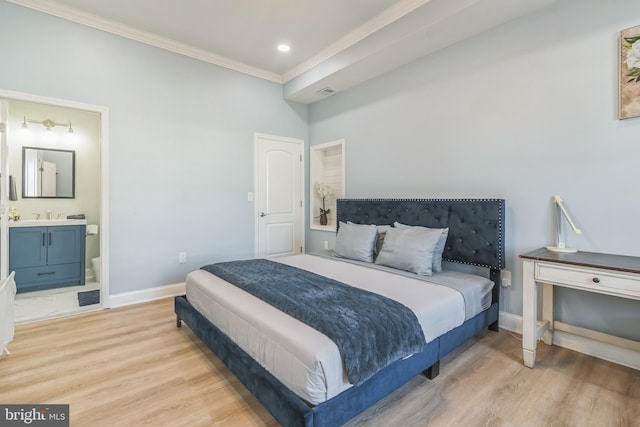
410,249
437,255
382,231
355,241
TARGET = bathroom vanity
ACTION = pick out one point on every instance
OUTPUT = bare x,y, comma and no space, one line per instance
47,254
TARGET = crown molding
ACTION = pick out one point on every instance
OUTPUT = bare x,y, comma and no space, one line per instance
360,33
126,31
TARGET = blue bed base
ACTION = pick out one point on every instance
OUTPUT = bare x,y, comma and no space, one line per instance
288,408
476,230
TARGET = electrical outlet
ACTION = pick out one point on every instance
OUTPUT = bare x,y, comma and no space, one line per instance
326,244
505,278
182,257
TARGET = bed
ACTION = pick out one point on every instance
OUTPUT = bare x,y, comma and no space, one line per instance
298,392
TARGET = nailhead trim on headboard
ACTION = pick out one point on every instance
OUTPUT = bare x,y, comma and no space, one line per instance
476,226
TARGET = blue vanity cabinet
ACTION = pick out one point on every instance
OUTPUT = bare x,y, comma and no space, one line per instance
47,257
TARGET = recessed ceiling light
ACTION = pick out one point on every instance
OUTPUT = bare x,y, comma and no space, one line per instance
284,47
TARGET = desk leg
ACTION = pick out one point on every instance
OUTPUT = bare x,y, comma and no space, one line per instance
547,312
529,314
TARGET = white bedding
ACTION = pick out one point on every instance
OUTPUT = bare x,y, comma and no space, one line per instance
303,359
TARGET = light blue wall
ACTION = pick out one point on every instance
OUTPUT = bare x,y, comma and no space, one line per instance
181,139
523,112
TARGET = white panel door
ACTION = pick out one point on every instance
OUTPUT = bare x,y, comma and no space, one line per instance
279,198
48,176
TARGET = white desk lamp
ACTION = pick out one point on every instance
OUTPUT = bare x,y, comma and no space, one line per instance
560,212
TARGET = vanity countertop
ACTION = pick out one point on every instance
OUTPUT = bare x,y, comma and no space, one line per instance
46,222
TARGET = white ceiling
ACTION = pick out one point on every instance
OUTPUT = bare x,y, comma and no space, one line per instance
334,43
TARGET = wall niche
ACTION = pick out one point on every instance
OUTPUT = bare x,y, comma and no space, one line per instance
326,177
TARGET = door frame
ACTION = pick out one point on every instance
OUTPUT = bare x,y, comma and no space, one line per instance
104,185
256,196
4,191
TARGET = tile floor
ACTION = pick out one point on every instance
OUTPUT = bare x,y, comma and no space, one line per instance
51,303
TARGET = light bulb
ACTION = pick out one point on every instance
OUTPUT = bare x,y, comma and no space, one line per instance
48,135
24,130
70,136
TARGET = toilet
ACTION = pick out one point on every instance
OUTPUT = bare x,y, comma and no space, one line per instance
95,265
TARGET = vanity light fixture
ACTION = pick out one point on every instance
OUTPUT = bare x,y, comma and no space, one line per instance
48,127
559,214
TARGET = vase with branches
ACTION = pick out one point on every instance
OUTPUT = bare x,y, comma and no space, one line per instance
324,191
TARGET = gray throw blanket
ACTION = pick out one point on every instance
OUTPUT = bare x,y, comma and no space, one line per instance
370,330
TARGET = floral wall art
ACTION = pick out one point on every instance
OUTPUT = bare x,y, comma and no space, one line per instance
630,73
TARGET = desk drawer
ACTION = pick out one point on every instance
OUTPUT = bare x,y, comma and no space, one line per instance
601,281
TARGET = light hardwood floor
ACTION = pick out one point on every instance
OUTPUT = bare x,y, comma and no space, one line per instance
132,367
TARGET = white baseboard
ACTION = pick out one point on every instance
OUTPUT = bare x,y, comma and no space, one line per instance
144,295
510,322
612,353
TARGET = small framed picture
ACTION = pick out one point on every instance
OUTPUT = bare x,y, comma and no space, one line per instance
629,73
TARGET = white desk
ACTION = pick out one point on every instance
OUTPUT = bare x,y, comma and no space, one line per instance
607,274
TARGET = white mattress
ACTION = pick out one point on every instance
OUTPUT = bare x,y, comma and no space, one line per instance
303,359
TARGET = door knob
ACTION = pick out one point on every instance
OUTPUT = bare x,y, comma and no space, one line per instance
262,214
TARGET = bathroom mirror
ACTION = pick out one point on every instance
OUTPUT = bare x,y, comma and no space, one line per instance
48,173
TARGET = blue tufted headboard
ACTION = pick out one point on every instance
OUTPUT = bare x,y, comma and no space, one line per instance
476,226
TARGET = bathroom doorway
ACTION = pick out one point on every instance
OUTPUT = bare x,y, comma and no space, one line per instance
47,130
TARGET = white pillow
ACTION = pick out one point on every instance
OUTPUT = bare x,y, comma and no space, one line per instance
356,241
437,255
410,249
